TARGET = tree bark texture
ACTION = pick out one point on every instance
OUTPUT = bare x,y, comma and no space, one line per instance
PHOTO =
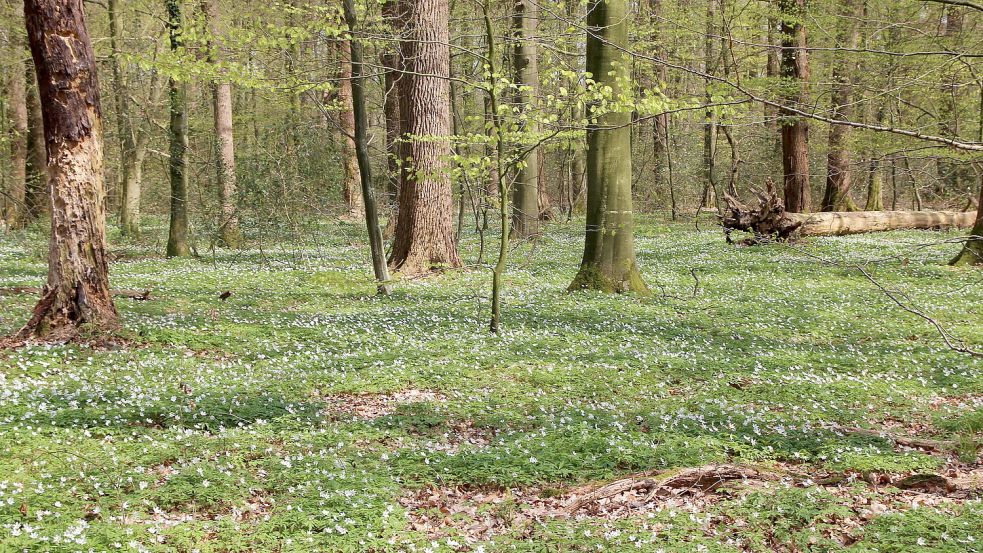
838,172
609,247
77,291
36,191
424,237
177,236
350,188
525,194
17,91
225,170
795,130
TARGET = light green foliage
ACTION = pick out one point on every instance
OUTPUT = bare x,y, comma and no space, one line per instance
222,428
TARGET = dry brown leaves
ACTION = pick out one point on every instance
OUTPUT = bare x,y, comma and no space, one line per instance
479,514
374,406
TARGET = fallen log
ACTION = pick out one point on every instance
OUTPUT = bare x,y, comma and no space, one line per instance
139,295
768,220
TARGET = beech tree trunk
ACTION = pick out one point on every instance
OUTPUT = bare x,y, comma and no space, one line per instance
424,237
838,171
795,130
346,125
225,170
177,236
14,212
525,195
609,246
77,292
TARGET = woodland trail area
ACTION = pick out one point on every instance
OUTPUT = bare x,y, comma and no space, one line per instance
763,398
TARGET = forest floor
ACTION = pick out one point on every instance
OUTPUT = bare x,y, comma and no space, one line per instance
304,413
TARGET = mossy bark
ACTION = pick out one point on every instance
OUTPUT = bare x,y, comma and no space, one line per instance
609,246
177,235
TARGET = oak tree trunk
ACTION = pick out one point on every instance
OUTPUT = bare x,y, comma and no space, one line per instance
77,291
609,246
795,130
424,237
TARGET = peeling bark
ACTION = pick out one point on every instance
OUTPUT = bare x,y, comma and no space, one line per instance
77,292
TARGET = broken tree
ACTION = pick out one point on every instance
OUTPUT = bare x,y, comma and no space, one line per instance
769,219
77,291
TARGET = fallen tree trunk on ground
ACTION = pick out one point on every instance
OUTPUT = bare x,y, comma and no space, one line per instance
768,220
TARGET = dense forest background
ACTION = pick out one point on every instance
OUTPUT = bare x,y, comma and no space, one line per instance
705,81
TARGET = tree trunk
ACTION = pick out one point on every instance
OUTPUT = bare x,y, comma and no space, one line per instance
177,236
360,139
838,173
392,64
77,292
795,130
129,205
36,191
769,221
225,170
525,195
424,237
972,252
875,185
609,249
709,196
660,123
14,213
346,124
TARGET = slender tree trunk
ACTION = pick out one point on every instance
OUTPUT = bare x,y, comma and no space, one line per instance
838,172
875,185
525,199
661,121
795,130
225,167
424,237
609,246
36,192
351,193
391,62
177,237
130,161
14,214
359,127
77,292
709,196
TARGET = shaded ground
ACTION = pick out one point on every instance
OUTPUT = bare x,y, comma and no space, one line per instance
305,414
